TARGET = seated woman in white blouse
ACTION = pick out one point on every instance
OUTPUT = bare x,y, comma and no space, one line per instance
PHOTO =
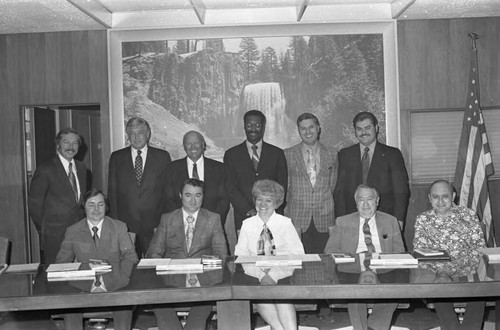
269,233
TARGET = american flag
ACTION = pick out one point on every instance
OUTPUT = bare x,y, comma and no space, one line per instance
474,163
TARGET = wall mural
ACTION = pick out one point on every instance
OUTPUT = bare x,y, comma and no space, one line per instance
207,85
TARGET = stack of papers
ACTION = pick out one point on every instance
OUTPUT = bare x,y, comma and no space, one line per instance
403,260
99,265
211,262
493,254
342,258
182,266
69,272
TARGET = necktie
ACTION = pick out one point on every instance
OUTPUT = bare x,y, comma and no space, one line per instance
95,237
72,181
365,164
138,167
191,280
265,245
311,166
369,243
97,287
195,172
189,232
255,157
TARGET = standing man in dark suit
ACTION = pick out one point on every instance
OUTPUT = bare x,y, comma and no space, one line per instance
136,183
365,232
55,193
373,163
97,236
311,178
196,165
250,161
188,232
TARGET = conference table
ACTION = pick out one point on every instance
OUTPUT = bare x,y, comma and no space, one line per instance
234,286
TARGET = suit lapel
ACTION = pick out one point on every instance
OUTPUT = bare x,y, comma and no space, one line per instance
87,235
63,178
150,161
378,155
245,157
178,227
355,219
299,160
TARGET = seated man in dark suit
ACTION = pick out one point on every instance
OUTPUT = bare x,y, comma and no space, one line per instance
188,232
367,231
98,237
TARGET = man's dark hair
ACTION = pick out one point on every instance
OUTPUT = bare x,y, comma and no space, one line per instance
66,131
92,193
193,182
364,115
307,115
256,113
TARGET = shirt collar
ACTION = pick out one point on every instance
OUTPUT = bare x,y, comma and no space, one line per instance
199,163
185,215
371,146
144,151
66,163
258,144
99,226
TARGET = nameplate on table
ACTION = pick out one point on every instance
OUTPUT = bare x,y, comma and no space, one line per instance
390,260
279,260
152,262
72,275
188,265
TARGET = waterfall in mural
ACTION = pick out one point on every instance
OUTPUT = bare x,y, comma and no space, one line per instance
268,98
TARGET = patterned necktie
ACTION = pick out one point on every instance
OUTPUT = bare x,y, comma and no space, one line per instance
195,172
369,243
191,280
138,167
311,166
265,244
72,181
95,237
189,232
365,164
255,157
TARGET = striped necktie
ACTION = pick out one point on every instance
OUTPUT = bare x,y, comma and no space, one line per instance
72,181
255,157
365,164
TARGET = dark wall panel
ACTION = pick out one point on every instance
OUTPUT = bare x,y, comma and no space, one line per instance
434,64
40,69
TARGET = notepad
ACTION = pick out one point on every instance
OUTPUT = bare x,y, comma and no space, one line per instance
72,275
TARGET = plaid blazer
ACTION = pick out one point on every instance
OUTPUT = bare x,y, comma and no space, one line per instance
304,201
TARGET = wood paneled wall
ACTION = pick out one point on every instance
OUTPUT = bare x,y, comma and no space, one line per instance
434,64
43,69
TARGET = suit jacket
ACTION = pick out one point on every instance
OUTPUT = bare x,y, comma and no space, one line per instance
140,207
52,205
169,240
115,244
214,196
241,175
304,201
344,236
387,174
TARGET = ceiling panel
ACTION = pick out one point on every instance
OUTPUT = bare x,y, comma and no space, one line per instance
21,16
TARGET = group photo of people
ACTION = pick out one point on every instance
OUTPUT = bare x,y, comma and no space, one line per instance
305,199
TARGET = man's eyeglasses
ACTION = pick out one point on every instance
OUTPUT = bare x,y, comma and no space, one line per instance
250,126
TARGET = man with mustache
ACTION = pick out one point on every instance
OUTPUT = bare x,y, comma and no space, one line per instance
371,162
55,193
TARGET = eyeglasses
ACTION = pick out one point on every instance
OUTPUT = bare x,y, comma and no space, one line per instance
250,126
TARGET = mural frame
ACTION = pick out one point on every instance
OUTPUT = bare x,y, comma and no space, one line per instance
388,30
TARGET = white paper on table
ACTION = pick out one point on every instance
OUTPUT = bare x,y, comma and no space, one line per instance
153,262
